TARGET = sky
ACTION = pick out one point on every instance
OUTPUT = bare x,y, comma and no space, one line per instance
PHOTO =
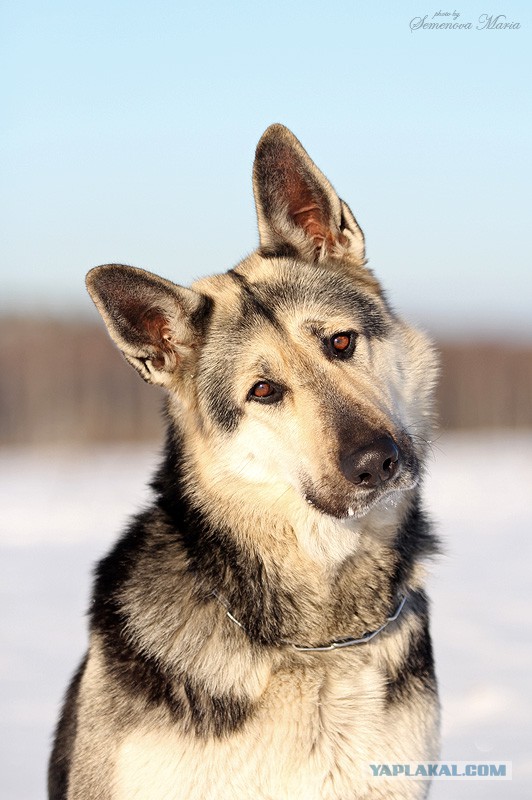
129,131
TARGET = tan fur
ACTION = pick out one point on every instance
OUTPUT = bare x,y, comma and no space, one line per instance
310,739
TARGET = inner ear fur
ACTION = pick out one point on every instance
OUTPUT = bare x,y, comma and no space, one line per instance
297,207
153,321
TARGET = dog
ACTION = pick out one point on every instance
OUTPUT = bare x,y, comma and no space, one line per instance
261,630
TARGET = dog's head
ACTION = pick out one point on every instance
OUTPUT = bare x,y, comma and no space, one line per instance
289,376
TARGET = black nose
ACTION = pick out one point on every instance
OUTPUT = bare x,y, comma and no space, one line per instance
373,464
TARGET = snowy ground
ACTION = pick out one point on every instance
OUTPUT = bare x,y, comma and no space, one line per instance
61,509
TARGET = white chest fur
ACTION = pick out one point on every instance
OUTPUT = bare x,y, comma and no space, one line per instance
313,737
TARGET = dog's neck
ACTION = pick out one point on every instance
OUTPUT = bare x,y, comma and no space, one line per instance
337,644
298,586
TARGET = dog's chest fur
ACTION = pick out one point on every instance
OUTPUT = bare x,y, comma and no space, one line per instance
197,707
313,737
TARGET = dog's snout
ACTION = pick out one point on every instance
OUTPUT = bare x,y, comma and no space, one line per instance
373,464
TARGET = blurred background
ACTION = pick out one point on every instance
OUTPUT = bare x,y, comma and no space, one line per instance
128,136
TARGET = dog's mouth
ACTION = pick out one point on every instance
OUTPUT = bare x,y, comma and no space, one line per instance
356,506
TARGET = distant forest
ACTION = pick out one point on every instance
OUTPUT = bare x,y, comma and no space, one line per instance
65,382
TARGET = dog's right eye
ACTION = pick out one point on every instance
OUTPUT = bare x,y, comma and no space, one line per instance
265,392
341,345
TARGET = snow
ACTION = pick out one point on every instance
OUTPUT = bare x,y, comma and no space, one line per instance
61,509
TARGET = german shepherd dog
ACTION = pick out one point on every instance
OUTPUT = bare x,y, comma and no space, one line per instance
261,630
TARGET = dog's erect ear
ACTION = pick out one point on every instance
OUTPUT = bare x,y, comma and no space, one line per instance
154,322
297,208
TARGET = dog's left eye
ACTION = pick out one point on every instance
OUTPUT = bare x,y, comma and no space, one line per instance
341,345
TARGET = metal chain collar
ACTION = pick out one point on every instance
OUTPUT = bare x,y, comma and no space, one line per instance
336,645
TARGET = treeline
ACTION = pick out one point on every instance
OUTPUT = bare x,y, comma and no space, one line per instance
64,381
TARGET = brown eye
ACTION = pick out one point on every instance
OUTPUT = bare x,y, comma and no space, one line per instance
262,390
265,392
341,342
341,345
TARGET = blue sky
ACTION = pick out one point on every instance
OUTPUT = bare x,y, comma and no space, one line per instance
129,131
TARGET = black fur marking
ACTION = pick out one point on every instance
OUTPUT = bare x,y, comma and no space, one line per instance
214,714
136,671
252,304
373,321
336,295
417,670
217,389
414,540
267,612
215,386
223,410
279,251
201,317
65,734
126,664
